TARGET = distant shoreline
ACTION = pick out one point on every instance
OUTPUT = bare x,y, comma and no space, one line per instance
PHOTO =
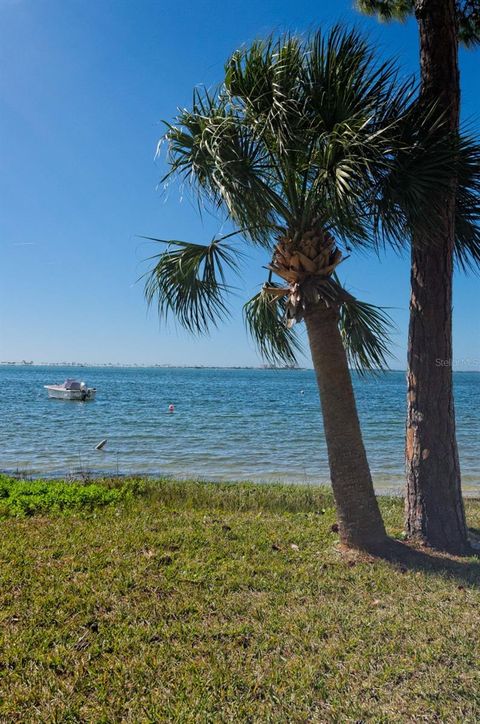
119,365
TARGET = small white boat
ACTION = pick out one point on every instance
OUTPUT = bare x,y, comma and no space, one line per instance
71,390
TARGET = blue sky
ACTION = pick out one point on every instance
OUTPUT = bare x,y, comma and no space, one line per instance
84,85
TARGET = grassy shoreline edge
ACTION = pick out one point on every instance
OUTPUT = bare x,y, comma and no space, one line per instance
27,496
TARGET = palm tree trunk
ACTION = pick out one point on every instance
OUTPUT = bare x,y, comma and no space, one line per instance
359,519
434,506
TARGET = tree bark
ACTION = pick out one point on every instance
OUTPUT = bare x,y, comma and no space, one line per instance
359,519
434,505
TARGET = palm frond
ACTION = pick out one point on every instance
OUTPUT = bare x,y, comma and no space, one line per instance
188,281
365,330
295,134
468,12
410,191
467,243
468,15
264,316
467,204
386,9
226,164
359,106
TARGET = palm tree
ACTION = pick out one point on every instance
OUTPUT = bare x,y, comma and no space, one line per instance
299,146
434,505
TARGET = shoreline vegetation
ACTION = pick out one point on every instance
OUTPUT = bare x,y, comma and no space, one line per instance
23,495
117,479
122,365
185,601
24,363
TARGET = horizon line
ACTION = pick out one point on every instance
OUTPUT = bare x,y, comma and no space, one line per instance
157,365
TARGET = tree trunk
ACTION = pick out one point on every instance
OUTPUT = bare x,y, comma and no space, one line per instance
434,505
359,519
435,512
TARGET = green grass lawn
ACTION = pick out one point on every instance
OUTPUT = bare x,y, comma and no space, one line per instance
189,602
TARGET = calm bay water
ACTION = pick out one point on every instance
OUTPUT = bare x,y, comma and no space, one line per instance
228,424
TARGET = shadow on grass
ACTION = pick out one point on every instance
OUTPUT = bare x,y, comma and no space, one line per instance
406,557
